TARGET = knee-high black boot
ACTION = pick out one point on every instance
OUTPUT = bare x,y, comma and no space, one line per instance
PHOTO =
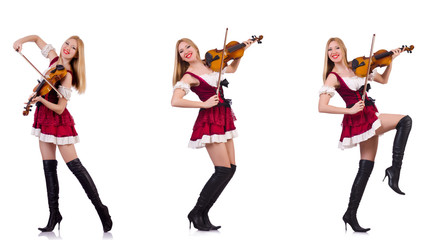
219,177
365,169
88,185
52,188
402,131
214,198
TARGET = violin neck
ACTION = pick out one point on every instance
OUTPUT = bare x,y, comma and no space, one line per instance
383,55
236,47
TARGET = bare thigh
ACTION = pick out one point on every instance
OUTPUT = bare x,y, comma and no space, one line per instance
218,153
68,152
368,149
388,122
231,151
47,150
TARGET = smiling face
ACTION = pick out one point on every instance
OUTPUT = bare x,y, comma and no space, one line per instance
69,49
335,53
187,52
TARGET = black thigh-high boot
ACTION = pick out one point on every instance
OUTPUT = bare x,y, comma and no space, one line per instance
53,189
214,198
88,185
219,177
365,169
402,131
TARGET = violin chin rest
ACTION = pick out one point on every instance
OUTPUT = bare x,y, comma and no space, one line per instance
355,64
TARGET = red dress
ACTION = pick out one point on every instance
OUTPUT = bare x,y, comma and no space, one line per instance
215,124
50,127
361,126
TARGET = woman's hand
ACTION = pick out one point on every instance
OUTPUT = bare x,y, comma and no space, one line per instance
396,52
211,102
248,43
17,45
357,107
35,99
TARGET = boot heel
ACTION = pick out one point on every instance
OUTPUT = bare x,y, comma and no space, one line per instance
385,176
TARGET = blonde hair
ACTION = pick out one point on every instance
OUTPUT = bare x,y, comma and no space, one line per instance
329,65
181,66
78,66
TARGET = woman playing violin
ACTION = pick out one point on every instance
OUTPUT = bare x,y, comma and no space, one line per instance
362,124
214,128
54,126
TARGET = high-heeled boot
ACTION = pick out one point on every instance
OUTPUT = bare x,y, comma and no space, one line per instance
88,185
219,177
402,131
214,198
52,188
358,188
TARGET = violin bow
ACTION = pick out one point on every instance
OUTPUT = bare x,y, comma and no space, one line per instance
43,76
221,63
369,66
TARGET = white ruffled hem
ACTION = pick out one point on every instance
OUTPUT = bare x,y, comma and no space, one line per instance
353,141
52,139
200,143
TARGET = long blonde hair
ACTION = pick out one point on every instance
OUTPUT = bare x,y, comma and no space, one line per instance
180,66
78,66
329,65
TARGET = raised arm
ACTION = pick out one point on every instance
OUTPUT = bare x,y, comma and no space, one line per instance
234,65
38,41
384,78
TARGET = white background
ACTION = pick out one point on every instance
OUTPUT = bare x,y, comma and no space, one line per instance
291,181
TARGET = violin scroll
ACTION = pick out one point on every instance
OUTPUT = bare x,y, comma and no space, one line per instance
408,49
257,39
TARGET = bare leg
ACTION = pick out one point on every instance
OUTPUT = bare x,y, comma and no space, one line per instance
368,149
68,152
47,150
388,122
219,155
231,151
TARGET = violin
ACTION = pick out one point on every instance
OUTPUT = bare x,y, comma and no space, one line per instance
233,50
381,58
46,85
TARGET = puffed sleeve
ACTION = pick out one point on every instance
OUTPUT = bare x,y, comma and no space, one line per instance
66,92
184,86
328,90
47,49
